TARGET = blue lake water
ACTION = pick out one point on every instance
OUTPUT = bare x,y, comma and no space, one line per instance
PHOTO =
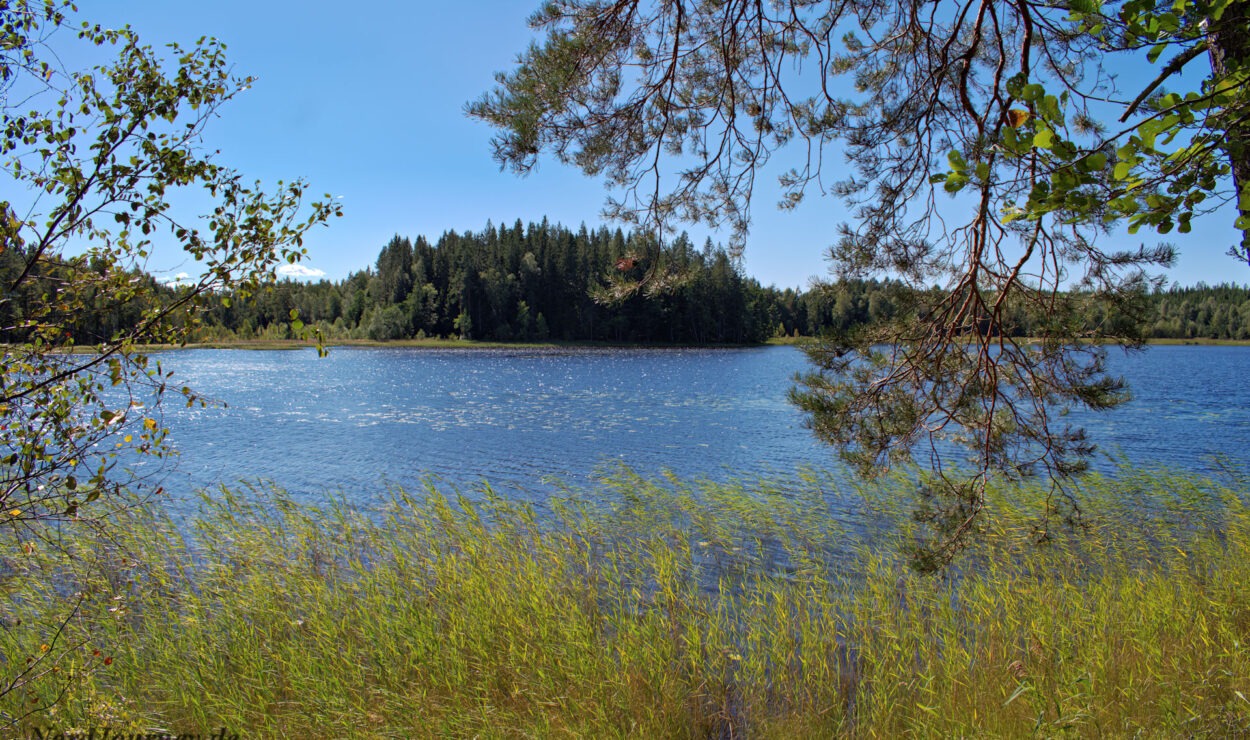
362,419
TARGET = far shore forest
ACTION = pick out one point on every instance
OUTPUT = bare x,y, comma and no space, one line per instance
545,282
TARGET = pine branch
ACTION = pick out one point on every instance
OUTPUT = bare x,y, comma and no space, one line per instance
1174,66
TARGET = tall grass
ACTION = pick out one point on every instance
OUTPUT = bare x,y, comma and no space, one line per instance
657,608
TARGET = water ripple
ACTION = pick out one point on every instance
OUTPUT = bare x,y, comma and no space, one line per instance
364,418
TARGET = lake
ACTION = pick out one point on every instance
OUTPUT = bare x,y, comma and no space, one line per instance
362,419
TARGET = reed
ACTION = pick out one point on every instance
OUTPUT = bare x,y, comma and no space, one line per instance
652,607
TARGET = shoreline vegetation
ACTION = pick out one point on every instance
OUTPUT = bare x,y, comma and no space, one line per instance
545,283
653,607
439,343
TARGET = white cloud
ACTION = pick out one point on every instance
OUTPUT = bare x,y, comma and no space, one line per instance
300,272
181,278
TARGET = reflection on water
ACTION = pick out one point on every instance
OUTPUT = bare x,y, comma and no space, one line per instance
361,419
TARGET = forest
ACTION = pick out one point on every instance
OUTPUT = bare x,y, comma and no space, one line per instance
544,282
522,283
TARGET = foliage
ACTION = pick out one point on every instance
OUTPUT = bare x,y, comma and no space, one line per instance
714,304
95,162
656,607
522,283
1200,312
1009,108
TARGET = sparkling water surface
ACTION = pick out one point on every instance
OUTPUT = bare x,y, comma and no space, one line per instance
361,420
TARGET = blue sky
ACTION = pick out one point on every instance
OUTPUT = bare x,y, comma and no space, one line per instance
366,103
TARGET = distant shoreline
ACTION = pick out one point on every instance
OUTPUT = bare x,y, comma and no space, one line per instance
1202,342
295,344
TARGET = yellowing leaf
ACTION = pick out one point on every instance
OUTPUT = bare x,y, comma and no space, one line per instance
1017,117
15,512
150,423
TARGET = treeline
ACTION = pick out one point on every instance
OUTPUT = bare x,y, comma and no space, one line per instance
542,282
525,283
1201,312
35,307
1197,312
547,282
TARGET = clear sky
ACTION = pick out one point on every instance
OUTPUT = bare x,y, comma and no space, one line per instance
366,103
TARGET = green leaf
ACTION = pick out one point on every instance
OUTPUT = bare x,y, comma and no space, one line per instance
1122,170
1015,143
1044,139
1015,85
1048,109
956,159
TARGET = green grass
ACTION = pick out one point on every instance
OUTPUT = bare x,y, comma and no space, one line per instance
654,608
1205,342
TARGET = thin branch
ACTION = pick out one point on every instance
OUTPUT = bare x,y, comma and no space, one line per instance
1173,67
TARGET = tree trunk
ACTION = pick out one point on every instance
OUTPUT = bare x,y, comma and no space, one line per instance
1229,39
